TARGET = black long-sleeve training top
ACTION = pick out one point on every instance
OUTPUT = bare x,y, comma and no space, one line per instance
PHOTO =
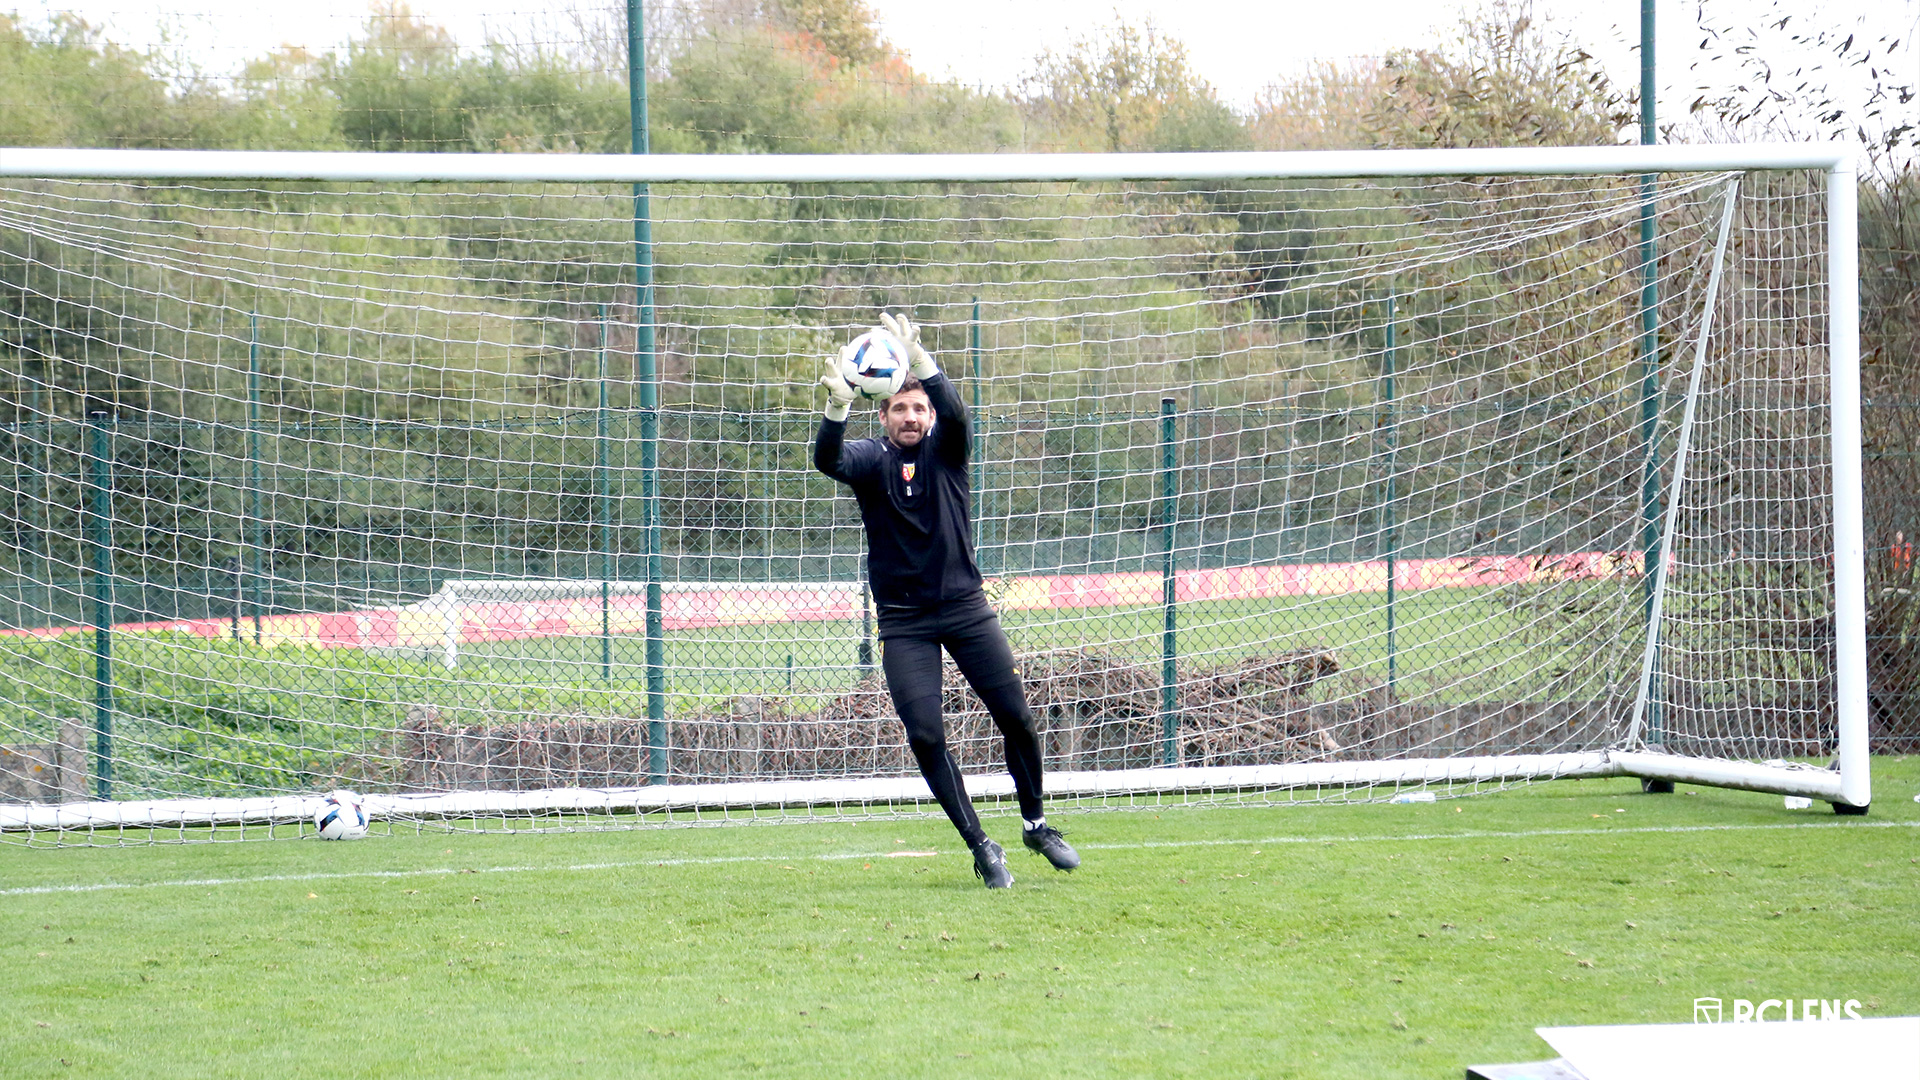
917,504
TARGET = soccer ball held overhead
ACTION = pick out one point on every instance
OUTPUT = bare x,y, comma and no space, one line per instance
875,364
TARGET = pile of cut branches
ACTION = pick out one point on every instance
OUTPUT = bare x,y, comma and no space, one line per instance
1096,710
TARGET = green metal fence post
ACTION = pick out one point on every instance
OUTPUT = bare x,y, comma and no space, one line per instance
40,509
1099,447
866,621
100,531
1649,358
1392,522
603,511
1169,645
648,379
255,521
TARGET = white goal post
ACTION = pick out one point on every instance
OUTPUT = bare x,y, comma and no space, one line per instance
1297,476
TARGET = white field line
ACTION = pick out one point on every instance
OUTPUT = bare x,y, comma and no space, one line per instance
721,860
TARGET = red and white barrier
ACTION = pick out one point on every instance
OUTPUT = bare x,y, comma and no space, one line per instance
438,621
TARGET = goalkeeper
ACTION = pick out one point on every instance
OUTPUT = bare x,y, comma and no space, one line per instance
916,503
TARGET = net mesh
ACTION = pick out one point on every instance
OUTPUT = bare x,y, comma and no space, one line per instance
356,485
1747,621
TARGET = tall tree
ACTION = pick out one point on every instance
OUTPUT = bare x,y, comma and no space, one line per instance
1128,88
1504,80
808,76
65,84
399,84
1325,108
846,29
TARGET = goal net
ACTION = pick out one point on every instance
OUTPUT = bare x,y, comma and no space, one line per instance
1295,477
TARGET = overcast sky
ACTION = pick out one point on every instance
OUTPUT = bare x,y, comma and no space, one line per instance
1242,45
1239,46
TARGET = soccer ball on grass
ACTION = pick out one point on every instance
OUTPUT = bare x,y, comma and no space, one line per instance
341,816
875,364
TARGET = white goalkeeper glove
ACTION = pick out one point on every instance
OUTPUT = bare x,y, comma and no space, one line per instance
922,366
839,392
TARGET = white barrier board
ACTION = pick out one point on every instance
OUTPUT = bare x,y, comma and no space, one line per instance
1873,1049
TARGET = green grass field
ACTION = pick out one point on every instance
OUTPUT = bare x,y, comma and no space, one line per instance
1368,941
1440,635
1438,631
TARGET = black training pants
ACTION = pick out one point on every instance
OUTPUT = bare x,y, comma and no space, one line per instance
910,644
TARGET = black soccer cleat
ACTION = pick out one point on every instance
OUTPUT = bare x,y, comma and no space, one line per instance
990,865
1046,840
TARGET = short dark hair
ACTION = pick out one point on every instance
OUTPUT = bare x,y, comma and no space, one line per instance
911,384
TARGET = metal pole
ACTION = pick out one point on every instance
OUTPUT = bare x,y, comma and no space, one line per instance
1648,85
1649,355
1099,448
40,508
648,379
100,479
1169,646
603,512
1849,526
763,437
866,621
384,166
1392,520
254,514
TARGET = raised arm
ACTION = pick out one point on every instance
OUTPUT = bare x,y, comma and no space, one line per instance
830,453
831,437
827,445
952,429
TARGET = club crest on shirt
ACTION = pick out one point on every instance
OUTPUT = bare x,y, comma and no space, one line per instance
906,471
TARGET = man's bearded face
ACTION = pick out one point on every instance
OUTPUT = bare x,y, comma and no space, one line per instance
908,417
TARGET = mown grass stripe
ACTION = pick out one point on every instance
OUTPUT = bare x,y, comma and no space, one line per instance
722,860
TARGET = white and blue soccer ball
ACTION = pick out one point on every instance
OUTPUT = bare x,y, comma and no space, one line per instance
875,364
341,816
